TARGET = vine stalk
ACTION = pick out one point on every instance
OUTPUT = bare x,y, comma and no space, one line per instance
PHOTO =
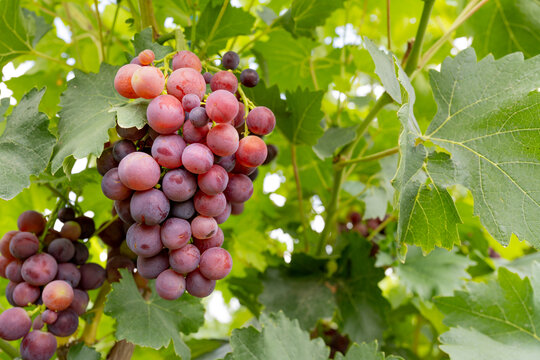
90,329
9,350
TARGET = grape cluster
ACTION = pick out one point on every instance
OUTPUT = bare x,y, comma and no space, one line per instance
192,166
52,274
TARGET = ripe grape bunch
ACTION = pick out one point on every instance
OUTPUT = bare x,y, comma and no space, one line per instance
176,179
49,275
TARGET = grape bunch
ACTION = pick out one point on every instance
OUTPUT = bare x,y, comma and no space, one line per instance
51,275
192,166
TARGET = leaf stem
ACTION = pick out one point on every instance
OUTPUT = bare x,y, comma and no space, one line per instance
100,31
375,156
8,349
214,28
331,210
419,38
303,218
166,37
90,329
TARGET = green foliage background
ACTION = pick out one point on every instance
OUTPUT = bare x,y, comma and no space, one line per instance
444,144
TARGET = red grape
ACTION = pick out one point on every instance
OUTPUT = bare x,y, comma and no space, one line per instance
38,345
149,207
179,185
194,134
167,150
175,233
186,59
261,120
23,245
146,57
81,254
223,139
57,295
237,208
25,294
39,269
221,106
61,249
216,263
139,171
4,244
49,316
151,267
72,230
197,158
4,262
170,285
69,273
185,81
224,80
214,181
209,205
221,218
190,101
203,227
165,114
239,189
214,241
147,82
199,286
14,271
251,151
113,188
227,162
144,240
185,259
31,221
14,324
240,117
122,81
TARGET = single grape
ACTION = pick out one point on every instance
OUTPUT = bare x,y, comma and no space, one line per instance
186,59
261,120
79,303
113,188
4,244
50,236
81,254
71,230
146,57
50,316
165,114
151,267
272,152
113,235
66,324
241,169
199,286
139,171
207,77
122,148
37,324
147,82
66,214
183,210
197,158
249,78
237,208
115,263
198,117
150,207
122,208
104,163
136,61
144,240
214,241
57,295
31,221
14,324
131,133
61,249
203,227
216,263
25,294
39,269
167,150
14,271
209,205
240,117
239,189
224,80
227,162
190,101
23,245
4,262
92,276
38,345
214,181
221,218
223,140
251,151
170,285
221,106
185,259
69,273
179,185
122,81
254,174
185,81
194,134
175,233
230,60
10,287
88,227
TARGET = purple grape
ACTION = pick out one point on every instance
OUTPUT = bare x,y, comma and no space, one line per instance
139,171
183,210
23,245
115,263
271,151
14,324
150,207
61,249
214,241
67,214
10,287
151,267
144,240
112,187
123,148
209,205
214,181
66,324
79,303
194,134
239,189
38,324
113,235
14,271
104,163
50,316
224,80
199,286
230,60
170,285
38,345
92,276
207,77
123,210
179,185
198,117
167,150
81,254
25,294
237,208
249,78
221,218
31,221
227,162
175,233
240,116
190,101
203,227
88,227
216,263
197,158
132,133
254,175
185,259
69,273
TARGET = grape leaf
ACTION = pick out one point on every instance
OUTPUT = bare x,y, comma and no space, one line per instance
501,27
153,322
85,117
305,298
496,321
308,14
365,351
25,146
332,139
4,106
278,339
440,273
303,126
490,124
82,352
144,40
21,30
385,69
132,114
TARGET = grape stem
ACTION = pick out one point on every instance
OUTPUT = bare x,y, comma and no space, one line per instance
214,28
376,156
9,350
90,330
381,227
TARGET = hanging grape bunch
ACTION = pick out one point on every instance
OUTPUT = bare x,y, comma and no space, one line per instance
48,274
175,180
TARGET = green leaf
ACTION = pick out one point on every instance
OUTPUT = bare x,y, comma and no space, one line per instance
504,26
365,351
144,40
4,106
439,273
278,339
132,114
303,126
308,14
247,289
332,139
21,30
496,321
25,146
82,352
385,69
305,298
85,117
490,124
361,306
153,322
214,30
